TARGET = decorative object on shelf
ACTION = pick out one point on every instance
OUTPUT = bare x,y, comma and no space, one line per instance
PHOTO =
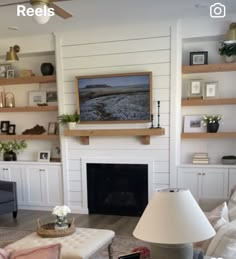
228,51
56,153
228,160
198,58
152,126
11,129
11,149
211,122
61,212
25,73
158,114
230,36
48,230
2,97
192,123
116,97
44,156
37,97
42,104
200,158
47,69
36,130
3,69
10,73
51,97
52,128
4,126
11,55
211,90
9,100
195,88
70,119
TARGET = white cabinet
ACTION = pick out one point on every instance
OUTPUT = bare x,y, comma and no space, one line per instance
38,186
204,182
232,178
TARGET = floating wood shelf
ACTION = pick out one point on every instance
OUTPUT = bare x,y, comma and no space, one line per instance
199,102
29,137
28,80
30,109
209,68
209,135
144,134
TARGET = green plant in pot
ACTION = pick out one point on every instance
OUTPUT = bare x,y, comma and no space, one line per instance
10,149
228,51
70,119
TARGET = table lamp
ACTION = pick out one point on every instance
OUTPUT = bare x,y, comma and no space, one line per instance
172,221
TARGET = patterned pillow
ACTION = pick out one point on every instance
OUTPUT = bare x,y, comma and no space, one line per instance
218,217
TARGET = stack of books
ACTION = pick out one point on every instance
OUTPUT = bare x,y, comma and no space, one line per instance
200,158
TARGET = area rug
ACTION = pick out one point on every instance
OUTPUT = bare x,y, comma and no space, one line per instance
121,244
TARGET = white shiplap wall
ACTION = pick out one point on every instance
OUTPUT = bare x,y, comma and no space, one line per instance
109,51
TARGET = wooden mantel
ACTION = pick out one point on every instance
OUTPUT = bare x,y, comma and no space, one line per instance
144,134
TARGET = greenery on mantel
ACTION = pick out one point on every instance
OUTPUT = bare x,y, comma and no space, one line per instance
228,49
65,118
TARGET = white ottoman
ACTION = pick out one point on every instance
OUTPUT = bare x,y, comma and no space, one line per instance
84,243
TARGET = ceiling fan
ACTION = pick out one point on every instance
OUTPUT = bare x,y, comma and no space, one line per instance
48,3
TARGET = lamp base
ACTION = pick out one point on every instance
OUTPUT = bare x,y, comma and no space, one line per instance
165,251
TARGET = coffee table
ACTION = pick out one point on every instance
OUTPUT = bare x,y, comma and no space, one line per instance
83,244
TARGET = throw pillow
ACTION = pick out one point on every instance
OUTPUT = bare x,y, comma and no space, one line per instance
49,252
5,253
218,217
223,243
232,204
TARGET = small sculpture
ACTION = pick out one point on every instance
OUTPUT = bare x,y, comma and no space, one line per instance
36,130
9,100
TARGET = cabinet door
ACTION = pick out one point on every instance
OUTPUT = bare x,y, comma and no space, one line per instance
190,178
214,183
3,173
232,179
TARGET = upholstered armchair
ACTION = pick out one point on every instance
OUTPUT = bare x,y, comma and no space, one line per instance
8,198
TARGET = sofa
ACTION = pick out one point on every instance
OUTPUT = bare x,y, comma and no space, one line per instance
8,198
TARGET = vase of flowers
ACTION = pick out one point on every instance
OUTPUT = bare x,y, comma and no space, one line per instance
70,119
211,122
61,216
10,149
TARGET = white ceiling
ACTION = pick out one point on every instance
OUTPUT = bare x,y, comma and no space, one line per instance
93,13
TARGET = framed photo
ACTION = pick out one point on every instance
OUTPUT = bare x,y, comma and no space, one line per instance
52,128
44,156
36,98
10,73
51,97
11,129
114,98
130,256
198,58
5,126
195,88
56,153
193,123
211,90
3,69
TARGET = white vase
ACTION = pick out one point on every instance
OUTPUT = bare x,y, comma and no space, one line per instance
71,125
229,59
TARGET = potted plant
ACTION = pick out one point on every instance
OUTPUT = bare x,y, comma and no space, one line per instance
69,119
228,51
11,148
211,122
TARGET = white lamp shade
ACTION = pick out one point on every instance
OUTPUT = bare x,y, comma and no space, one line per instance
42,19
173,218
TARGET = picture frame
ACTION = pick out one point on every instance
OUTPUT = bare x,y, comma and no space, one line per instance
11,129
211,90
10,73
52,128
37,97
44,156
51,97
3,69
198,58
131,256
193,123
56,153
114,98
4,126
195,88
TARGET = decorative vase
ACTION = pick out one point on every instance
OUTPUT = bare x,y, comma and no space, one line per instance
61,223
47,69
213,127
71,125
229,59
9,156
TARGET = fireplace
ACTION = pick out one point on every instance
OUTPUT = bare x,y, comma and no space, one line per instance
117,189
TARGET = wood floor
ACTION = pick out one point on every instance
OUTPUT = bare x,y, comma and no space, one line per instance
27,219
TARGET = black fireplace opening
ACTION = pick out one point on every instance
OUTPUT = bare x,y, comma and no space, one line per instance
117,189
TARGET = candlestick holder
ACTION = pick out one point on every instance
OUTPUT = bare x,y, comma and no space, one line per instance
152,126
158,115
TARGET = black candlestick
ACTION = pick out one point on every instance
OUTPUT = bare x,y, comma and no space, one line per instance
158,114
151,122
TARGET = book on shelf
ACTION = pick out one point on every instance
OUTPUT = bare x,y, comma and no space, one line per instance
200,162
194,97
200,159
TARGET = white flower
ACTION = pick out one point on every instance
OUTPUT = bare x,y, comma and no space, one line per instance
61,211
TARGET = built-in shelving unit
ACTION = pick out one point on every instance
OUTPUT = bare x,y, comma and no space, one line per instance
28,80
209,68
199,102
28,137
30,109
144,134
208,135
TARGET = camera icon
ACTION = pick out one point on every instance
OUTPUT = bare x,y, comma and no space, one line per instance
217,10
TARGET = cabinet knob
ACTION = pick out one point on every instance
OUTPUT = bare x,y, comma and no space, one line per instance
41,170
199,174
203,174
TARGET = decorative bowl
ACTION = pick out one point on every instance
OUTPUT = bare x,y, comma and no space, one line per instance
228,160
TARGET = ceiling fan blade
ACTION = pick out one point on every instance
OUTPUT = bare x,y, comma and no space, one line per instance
59,11
24,2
